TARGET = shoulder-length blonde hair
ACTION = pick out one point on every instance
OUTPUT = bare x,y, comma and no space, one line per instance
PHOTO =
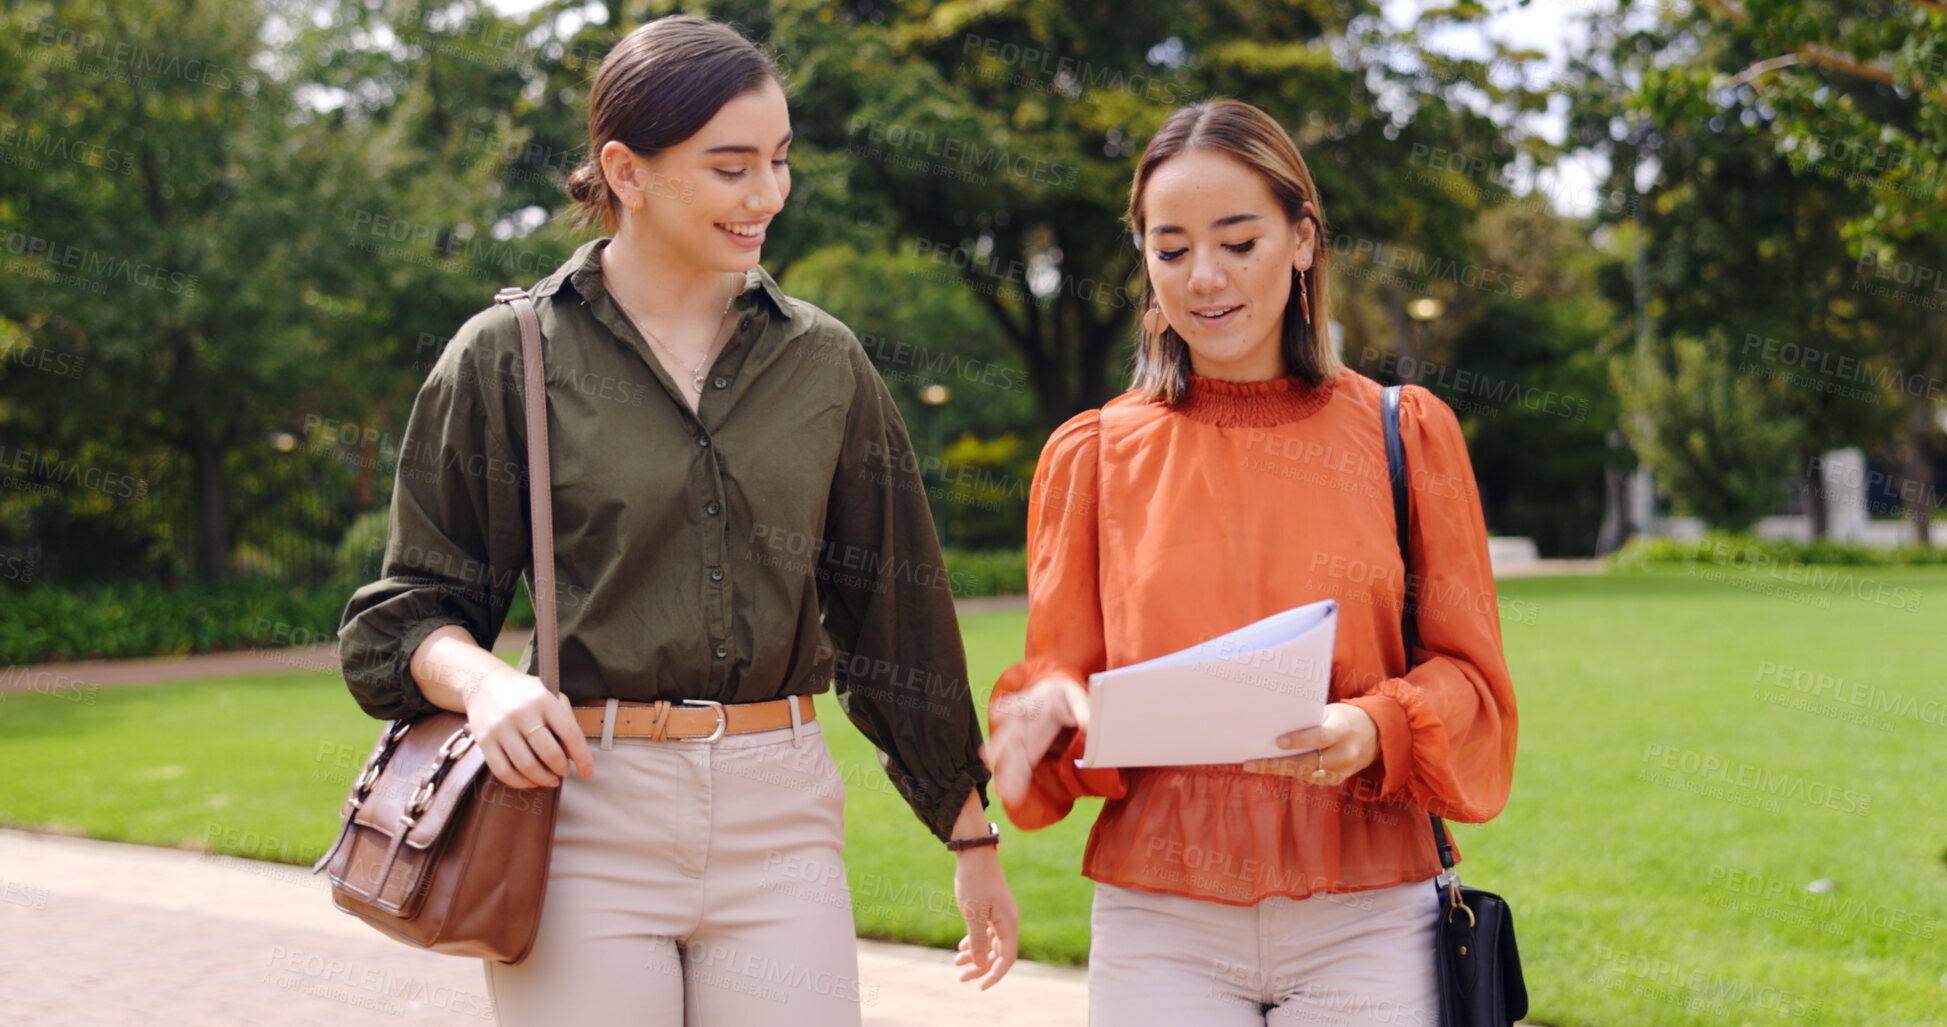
1161,368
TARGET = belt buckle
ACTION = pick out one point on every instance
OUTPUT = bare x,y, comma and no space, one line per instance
723,720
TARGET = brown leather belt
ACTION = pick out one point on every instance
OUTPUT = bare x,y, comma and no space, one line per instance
692,719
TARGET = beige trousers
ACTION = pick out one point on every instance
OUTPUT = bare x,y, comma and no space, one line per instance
697,883
1363,958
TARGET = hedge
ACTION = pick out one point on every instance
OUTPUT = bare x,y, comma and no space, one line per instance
125,620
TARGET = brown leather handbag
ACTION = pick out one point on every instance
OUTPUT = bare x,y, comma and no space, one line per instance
433,849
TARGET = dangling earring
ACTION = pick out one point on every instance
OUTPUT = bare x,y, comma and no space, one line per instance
1153,322
1304,296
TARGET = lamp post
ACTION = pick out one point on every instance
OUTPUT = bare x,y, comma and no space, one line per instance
1424,311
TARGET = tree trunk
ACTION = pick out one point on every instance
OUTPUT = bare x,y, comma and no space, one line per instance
1404,329
1816,508
1098,346
1052,399
1917,489
1615,528
368,458
212,526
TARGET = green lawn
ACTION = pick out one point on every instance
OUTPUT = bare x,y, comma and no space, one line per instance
1676,792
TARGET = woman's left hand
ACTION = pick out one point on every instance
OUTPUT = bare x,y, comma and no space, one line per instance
993,921
1347,742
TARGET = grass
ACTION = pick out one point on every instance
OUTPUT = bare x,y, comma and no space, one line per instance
1672,898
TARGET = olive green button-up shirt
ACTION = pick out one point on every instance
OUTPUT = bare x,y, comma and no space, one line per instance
774,540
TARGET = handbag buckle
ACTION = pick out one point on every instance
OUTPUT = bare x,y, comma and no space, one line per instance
421,797
1450,879
723,720
369,776
456,745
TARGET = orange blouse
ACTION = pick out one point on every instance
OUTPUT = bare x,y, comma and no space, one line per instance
1152,528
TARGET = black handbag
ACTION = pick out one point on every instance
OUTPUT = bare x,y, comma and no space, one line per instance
1479,967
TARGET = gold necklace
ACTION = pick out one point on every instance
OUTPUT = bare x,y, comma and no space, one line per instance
696,373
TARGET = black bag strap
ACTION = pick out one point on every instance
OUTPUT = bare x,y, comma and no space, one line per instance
1409,621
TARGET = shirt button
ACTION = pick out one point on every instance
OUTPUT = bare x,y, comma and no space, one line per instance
720,651
712,508
716,574
721,383
703,441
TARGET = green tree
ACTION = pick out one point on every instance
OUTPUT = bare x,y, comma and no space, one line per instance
1856,93
1737,242
147,254
1536,400
961,390
997,142
1718,447
249,221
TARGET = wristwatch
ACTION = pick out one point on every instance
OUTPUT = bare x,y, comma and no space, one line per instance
992,837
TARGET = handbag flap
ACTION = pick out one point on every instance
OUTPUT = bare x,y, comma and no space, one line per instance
1514,986
411,765
1500,960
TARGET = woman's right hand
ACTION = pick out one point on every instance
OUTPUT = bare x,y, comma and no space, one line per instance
1024,725
527,733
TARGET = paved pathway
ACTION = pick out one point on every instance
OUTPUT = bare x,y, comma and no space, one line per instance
96,932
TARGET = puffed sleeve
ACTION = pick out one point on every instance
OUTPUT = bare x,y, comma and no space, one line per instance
1446,730
457,535
888,607
1064,615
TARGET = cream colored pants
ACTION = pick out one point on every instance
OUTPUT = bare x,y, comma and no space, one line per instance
1363,958
694,883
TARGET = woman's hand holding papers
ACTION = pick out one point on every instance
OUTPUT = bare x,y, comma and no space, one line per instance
1025,725
1346,743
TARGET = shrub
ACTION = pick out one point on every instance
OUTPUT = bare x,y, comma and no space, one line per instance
127,620
987,572
1718,444
1744,550
134,619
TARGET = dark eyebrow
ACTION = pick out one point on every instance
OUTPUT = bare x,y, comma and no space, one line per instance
744,148
1222,222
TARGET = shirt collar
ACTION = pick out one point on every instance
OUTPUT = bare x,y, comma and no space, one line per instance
582,272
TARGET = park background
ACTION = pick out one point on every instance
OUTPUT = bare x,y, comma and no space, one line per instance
1678,266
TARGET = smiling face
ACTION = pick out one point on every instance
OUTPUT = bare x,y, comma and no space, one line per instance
1220,253
710,197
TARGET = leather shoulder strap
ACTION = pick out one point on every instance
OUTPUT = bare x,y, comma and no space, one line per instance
1408,614
547,638
1402,514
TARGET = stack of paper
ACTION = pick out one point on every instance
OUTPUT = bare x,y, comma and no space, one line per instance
1226,700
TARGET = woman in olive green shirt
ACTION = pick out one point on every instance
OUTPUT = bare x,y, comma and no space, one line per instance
738,519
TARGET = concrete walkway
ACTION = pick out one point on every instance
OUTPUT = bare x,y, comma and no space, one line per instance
96,932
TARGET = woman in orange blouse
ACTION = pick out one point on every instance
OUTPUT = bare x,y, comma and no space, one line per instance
1245,473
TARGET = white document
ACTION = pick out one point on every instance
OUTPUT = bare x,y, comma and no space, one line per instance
1222,701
